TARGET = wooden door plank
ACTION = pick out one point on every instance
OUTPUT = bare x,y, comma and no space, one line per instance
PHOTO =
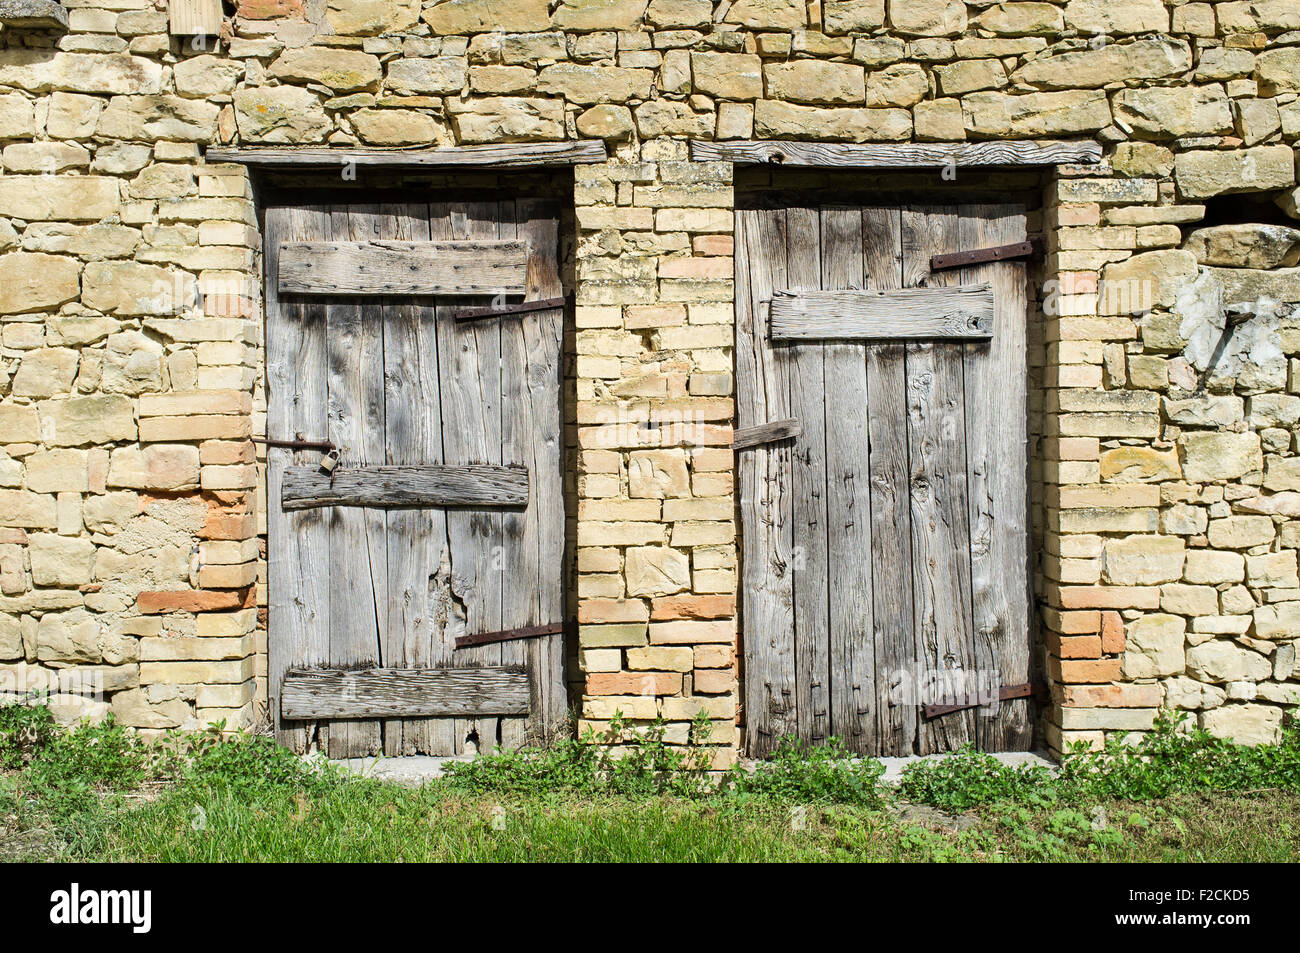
963,312
532,424
762,394
897,714
997,414
298,605
383,267
393,693
469,359
770,432
417,538
808,386
937,458
478,486
358,552
848,501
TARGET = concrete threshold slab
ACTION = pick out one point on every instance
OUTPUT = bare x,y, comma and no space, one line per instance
411,771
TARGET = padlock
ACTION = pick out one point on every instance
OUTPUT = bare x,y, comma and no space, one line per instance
329,462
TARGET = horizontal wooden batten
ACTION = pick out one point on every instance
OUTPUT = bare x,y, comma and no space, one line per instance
896,155
770,432
404,268
504,155
309,694
962,311
405,486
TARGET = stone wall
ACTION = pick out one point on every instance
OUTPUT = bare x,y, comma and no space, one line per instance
131,370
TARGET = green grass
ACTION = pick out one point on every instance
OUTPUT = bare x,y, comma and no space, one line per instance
99,793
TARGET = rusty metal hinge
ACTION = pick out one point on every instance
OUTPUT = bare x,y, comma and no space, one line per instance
978,256
509,635
296,444
1005,693
500,310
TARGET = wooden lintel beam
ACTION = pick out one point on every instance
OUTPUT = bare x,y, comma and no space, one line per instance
896,155
504,155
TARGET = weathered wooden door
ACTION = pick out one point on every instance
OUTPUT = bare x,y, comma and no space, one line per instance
449,437
885,553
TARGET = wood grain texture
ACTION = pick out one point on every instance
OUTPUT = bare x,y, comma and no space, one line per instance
766,546
384,267
358,550
997,457
298,550
811,570
469,357
396,486
942,625
964,311
851,651
417,607
504,155
924,155
194,17
373,693
770,432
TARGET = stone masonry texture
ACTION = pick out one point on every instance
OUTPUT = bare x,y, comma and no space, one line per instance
1166,455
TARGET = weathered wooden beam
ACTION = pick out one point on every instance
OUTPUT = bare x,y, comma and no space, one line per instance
896,155
309,694
404,268
769,432
405,486
505,310
961,311
509,635
503,155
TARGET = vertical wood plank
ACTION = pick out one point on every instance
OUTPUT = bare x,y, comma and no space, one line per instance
762,394
897,714
532,424
298,616
470,381
997,472
937,459
808,387
418,606
848,500
358,537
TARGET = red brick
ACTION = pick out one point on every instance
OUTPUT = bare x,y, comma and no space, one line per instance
612,610
714,681
713,245
1110,597
191,600
1080,622
1074,646
634,683
1083,671
1112,633
1109,696
693,607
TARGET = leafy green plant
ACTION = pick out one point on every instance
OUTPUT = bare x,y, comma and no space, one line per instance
968,777
801,773
25,730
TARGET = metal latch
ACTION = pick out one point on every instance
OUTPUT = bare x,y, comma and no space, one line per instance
978,256
1005,693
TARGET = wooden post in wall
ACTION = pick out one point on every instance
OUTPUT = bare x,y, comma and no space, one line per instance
195,17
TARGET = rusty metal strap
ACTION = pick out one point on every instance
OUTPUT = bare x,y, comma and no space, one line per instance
978,256
1005,693
509,635
502,310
